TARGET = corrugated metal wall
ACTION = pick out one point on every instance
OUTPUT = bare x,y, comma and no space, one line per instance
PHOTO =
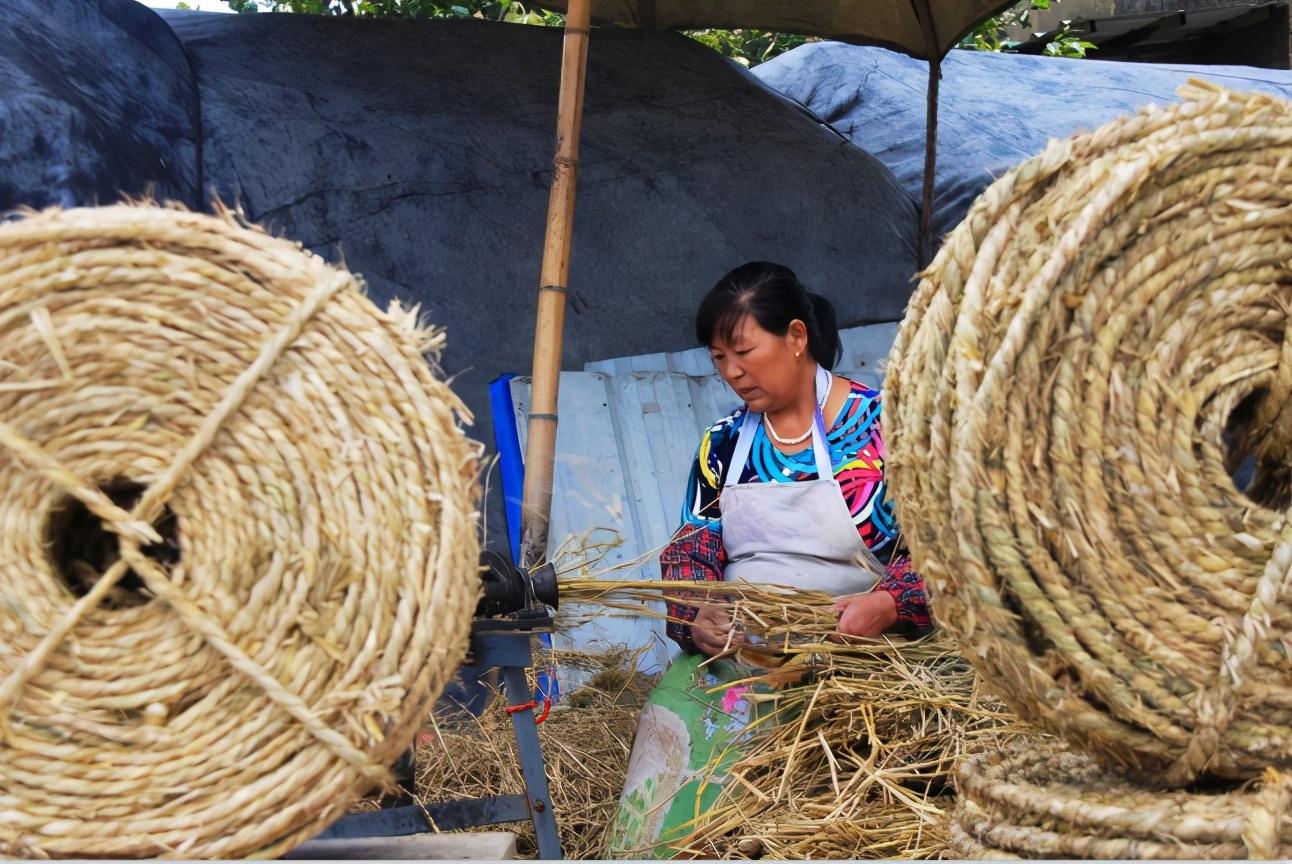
628,432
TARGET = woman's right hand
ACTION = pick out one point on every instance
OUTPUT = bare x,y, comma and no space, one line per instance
710,631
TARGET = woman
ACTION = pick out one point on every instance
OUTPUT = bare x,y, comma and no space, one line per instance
777,495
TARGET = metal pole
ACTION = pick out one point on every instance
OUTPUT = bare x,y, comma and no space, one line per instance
531,765
540,451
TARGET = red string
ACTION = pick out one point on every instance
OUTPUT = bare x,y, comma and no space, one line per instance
524,706
530,706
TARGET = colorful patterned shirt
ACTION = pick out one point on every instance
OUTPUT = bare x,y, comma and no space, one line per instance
857,452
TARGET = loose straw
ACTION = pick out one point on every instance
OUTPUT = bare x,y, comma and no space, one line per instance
857,740
238,536
585,741
1094,349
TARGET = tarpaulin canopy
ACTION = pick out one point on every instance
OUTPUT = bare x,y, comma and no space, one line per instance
897,24
996,109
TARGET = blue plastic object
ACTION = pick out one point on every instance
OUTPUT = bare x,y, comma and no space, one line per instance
511,464
511,468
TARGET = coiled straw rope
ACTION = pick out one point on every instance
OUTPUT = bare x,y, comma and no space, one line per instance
1039,800
1092,349
237,537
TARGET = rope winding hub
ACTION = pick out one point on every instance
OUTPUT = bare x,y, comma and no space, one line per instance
237,536
1095,348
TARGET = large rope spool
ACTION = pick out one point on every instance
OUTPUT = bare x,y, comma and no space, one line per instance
1095,347
239,541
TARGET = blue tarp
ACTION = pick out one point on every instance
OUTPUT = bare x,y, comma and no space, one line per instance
995,109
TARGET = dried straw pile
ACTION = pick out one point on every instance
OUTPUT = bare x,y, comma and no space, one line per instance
1108,329
854,758
859,766
1038,799
585,743
239,538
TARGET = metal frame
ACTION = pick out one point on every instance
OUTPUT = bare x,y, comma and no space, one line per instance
505,644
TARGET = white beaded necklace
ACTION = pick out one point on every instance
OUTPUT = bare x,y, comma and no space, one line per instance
771,430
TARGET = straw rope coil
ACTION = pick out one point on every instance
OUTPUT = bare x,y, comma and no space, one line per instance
1038,799
1107,330
238,536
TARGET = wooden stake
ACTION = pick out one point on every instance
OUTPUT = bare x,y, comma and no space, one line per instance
540,451
932,49
930,163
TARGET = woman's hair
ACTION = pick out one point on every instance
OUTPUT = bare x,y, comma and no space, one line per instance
775,297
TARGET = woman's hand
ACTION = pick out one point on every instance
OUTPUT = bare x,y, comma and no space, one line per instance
866,614
710,630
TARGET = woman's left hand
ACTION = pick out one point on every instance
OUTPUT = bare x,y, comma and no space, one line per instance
866,614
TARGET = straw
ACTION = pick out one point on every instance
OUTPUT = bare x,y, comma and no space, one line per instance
238,536
1096,347
1038,798
585,742
855,756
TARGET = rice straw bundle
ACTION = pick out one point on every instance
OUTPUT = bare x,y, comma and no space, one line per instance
858,765
585,743
239,537
1094,348
1038,799
852,758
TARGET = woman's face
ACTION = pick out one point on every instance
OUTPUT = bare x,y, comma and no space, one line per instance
764,369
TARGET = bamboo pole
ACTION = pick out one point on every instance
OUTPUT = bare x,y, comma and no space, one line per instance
540,452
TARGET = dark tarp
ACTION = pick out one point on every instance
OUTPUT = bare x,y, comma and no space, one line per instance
423,158
96,100
420,153
996,109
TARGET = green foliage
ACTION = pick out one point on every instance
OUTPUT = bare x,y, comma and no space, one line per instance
991,35
1067,44
748,47
494,10
745,46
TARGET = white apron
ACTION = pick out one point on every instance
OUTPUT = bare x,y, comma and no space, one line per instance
799,535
